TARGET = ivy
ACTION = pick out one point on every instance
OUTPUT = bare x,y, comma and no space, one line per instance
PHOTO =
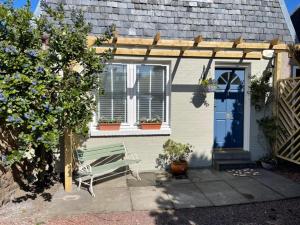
41,92
261,90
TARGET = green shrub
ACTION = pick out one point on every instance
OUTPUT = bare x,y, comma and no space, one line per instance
40,93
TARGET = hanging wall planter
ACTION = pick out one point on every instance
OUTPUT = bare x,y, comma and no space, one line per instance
209,85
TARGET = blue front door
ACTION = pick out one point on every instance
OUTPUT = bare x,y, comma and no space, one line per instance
229,108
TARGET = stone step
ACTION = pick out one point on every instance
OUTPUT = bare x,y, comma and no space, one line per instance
231,155
233,164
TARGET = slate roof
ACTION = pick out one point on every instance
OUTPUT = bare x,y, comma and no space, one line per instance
255,20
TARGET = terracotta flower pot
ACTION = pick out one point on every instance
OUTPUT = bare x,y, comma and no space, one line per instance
109,126
150,126
179,168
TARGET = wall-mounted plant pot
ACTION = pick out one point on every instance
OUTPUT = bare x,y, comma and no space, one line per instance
179,168
211,88
109,126
150,126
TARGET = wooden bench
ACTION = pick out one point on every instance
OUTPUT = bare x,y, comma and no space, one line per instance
103,161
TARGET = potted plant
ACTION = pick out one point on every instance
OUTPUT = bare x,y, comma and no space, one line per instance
113,124
175,155
210,85
269,127
268,162
150,124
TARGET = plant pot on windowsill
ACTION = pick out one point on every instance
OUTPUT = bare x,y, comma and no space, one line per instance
109,125
150,124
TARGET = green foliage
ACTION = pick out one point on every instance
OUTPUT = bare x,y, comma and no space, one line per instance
109,121
209,82
41,94
269,127
261,90
174,152
295,52
154,120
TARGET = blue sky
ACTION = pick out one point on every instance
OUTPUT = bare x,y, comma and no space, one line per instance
291,4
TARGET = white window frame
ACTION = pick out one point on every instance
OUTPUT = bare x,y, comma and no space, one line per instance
295,68
130,128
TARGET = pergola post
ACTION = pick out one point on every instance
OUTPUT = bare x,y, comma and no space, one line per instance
68,159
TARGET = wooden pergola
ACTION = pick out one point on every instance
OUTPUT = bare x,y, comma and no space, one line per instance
197,48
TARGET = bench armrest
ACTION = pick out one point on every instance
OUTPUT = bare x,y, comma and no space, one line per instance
85,169
133,156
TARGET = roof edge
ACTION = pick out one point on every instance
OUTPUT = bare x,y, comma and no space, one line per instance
288,20
37,11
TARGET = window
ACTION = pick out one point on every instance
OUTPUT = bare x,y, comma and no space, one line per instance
296,71
151,92
113,100
132,92
229,78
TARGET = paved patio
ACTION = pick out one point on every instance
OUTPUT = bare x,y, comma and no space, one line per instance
203,188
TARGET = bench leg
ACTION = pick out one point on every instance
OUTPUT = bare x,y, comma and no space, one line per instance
91,187
79,184
137,174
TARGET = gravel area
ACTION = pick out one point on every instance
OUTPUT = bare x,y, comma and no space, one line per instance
285,212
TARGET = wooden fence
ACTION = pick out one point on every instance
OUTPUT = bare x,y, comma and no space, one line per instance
287,144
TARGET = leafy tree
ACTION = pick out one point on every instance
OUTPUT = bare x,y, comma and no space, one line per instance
40,92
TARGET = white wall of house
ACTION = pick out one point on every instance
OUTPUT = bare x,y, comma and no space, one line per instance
192,122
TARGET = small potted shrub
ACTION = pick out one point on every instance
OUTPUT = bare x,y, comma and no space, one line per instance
150,124
104,124
209,85
175,155
268,162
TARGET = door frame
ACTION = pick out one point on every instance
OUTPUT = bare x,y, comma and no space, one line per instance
247,103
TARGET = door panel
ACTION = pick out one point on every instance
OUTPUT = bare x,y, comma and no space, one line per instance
229,109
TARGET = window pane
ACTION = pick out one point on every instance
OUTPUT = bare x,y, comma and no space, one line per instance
113,102
151,92
297,72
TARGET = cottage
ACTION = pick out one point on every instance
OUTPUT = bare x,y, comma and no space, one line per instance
163,50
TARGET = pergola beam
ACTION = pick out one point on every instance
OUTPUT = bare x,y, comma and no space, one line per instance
156,38
217,53
274,42
203,45
197,40
238,41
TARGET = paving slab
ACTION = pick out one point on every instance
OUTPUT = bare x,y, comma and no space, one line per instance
77,202
280,184
186,195
202,175
220,193
150,198
115,182
147,179
253,190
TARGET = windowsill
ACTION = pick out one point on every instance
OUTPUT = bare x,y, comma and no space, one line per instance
164,131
